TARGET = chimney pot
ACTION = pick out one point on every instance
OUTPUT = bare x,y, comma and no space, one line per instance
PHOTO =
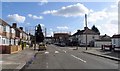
21,28
85,28
14,25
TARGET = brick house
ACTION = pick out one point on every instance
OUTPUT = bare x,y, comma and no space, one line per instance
5,37
61,37
11,37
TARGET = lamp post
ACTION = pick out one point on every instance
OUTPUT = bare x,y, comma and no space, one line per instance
35,39
86,29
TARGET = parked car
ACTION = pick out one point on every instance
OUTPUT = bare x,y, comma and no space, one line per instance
116,48
62,44
42,46
107,47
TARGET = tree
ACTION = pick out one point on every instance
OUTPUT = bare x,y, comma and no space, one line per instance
95,29
39,34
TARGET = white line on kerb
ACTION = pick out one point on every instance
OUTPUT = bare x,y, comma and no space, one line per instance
56,52
78,58
1,61
46,65
46,52
64,51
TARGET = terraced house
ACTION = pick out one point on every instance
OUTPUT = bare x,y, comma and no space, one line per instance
12,39
24,38
5,36
1,29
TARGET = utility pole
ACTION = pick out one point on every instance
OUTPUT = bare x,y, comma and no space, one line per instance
86,28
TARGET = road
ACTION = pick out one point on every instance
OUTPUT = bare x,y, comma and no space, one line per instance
56,57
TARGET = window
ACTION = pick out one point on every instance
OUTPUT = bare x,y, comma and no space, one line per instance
12,30
0,40
3,41
4,28
6,41
0,25
113,41
12,41
16,42
7,29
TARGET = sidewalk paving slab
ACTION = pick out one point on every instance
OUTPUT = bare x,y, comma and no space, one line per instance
17,60
105,54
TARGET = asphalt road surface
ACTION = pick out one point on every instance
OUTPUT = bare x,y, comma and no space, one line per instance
56,57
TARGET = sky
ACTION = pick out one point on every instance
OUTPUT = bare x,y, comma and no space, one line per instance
62,16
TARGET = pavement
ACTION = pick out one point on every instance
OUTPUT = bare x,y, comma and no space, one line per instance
56,57
106,54
17,60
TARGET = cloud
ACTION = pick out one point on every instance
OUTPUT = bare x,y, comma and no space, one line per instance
16,18
96,16
49,34
70,11
42,25
62,27
108,28
106,20
51,29
35,17
30,15
27,23
43,2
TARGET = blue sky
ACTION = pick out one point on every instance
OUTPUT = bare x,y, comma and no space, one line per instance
62,16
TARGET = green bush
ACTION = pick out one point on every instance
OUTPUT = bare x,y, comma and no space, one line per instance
24,44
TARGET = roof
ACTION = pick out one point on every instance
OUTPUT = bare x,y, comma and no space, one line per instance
89,31
116,36
60,33
86,30
104,38
4,23
79,32
48,37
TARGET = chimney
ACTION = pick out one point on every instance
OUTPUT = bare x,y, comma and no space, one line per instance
85,28
14,25
78,30
21,28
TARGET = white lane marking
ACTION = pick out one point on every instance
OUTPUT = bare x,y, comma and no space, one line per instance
1,61
46,52
64,51
78,58
46,65
56,52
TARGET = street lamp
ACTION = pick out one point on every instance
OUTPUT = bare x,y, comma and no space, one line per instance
86,29
35,38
